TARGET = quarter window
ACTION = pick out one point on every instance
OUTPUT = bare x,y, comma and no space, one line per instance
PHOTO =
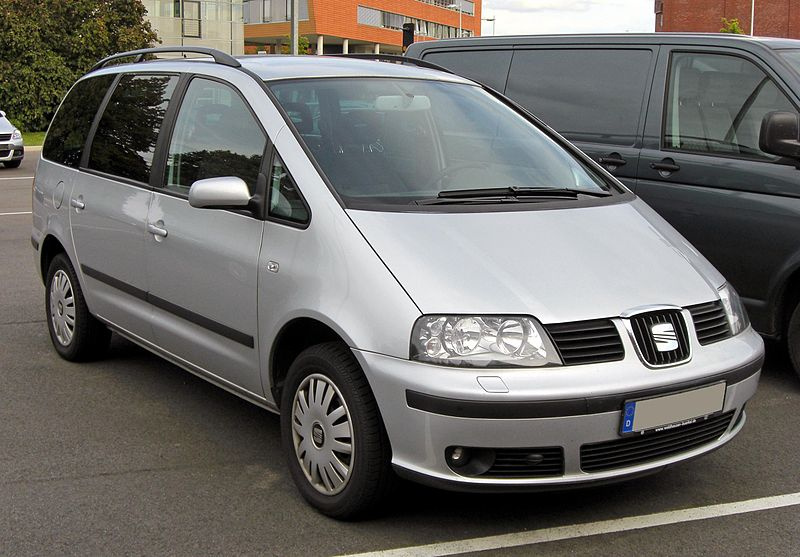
215,135
716,103
285,201
126,136
67,135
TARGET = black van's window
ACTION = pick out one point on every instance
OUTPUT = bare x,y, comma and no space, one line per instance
215,135
67,134
489,67
126,136
587,95
715,104
285,201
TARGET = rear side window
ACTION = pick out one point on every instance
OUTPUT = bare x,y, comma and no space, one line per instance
489,67
67,134
125,140
215,135
716,104
592,95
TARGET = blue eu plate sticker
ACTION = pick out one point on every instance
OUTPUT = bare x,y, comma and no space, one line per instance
627,419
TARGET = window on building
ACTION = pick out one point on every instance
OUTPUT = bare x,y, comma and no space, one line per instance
191,25
716,104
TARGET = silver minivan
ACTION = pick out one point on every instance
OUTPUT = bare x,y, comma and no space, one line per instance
420,277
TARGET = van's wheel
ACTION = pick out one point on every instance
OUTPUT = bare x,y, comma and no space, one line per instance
793,339
335,442
75,333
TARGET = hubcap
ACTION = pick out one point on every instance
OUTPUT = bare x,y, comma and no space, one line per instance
322,434
62,307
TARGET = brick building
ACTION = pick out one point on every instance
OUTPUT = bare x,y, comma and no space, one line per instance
773,18
336,26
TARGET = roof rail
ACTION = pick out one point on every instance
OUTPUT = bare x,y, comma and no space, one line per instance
139,55
397,60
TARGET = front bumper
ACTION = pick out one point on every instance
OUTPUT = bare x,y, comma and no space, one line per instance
427,409
11,151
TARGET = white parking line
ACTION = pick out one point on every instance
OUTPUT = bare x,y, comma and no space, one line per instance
16,213
589,529
19,178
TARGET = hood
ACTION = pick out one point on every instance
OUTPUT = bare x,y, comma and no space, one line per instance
6,126
557,265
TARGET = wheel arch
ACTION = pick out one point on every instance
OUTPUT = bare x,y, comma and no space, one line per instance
294,337
51,246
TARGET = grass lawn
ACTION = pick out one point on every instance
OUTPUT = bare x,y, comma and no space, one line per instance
33,139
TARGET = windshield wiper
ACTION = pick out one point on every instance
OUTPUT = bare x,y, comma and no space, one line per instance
507,194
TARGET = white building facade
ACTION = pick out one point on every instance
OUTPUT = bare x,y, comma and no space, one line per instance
212,23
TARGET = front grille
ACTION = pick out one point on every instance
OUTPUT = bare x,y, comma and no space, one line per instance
587,342
4,154
630,451
659,346
710,322
5,137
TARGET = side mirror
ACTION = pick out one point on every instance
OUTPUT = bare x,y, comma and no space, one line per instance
780,134
227,192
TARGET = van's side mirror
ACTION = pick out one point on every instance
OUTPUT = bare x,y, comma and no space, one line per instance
227,192
780,134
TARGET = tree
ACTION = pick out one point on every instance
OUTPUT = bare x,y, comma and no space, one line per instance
731,26
303,45
45,45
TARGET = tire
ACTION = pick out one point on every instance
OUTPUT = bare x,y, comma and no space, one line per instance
344,472
793,339
76,334
13,164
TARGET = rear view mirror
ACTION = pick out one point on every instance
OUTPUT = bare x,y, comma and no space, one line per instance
219,193
780,134
410,103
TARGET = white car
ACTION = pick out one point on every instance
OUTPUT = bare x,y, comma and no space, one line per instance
11,148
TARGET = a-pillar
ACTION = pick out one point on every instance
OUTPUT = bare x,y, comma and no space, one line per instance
345,46
320,44
377,48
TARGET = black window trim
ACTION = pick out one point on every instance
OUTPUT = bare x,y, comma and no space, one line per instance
158,184
717,51
281,220
84,164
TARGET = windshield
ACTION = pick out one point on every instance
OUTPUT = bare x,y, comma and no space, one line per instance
402,142
792,57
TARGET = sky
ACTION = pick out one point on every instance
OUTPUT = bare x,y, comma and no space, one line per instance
528,17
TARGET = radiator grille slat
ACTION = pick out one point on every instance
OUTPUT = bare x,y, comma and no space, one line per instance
710,322
586,342
630,451
5,137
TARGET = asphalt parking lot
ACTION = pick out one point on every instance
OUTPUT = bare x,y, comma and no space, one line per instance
132,455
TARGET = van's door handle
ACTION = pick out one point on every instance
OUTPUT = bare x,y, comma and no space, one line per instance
78,203
157,230
665,165
614,159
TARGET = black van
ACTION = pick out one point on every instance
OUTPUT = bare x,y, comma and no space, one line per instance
704,127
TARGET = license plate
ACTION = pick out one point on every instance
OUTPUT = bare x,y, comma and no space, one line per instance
676,410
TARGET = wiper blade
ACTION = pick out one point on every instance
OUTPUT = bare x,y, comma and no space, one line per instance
519,191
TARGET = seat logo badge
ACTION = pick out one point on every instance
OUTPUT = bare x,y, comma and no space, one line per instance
665,337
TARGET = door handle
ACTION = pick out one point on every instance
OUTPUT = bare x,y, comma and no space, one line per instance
614,159
78,203
157,230
665,166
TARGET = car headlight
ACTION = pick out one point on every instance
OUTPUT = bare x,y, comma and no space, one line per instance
482,341
737,316
16,136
